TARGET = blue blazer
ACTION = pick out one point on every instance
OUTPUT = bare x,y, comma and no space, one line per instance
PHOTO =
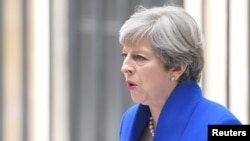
184,117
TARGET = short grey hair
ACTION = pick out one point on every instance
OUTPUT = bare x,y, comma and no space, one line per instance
174,35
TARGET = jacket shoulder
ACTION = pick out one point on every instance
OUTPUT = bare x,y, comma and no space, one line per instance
126,121
206,113
216,113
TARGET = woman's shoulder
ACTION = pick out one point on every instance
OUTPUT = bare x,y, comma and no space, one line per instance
215,113
127,121
131,110
130,113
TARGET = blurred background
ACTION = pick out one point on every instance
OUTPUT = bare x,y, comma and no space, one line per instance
60,62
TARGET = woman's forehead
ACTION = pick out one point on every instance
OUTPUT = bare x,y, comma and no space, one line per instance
139,45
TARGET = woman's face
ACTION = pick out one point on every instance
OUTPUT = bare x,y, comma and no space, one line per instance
146,78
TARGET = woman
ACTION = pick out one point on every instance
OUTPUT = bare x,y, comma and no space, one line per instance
163,60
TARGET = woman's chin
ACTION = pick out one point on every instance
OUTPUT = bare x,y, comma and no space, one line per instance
137,99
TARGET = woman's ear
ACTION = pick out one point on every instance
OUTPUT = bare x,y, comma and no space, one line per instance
178,71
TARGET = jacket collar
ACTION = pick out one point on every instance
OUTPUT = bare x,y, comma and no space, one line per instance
175,114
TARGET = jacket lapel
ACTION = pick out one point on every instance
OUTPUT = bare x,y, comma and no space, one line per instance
139,122
177,111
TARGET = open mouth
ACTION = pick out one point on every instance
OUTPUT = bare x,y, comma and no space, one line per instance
131,85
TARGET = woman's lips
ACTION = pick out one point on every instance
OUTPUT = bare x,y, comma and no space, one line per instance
131,85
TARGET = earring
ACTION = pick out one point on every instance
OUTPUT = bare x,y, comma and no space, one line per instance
172,78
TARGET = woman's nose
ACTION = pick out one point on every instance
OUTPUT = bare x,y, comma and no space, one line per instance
127,67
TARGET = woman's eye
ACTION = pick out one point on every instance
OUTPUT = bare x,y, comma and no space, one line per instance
139,57
124,55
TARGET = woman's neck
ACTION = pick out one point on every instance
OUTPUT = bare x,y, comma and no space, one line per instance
155,113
